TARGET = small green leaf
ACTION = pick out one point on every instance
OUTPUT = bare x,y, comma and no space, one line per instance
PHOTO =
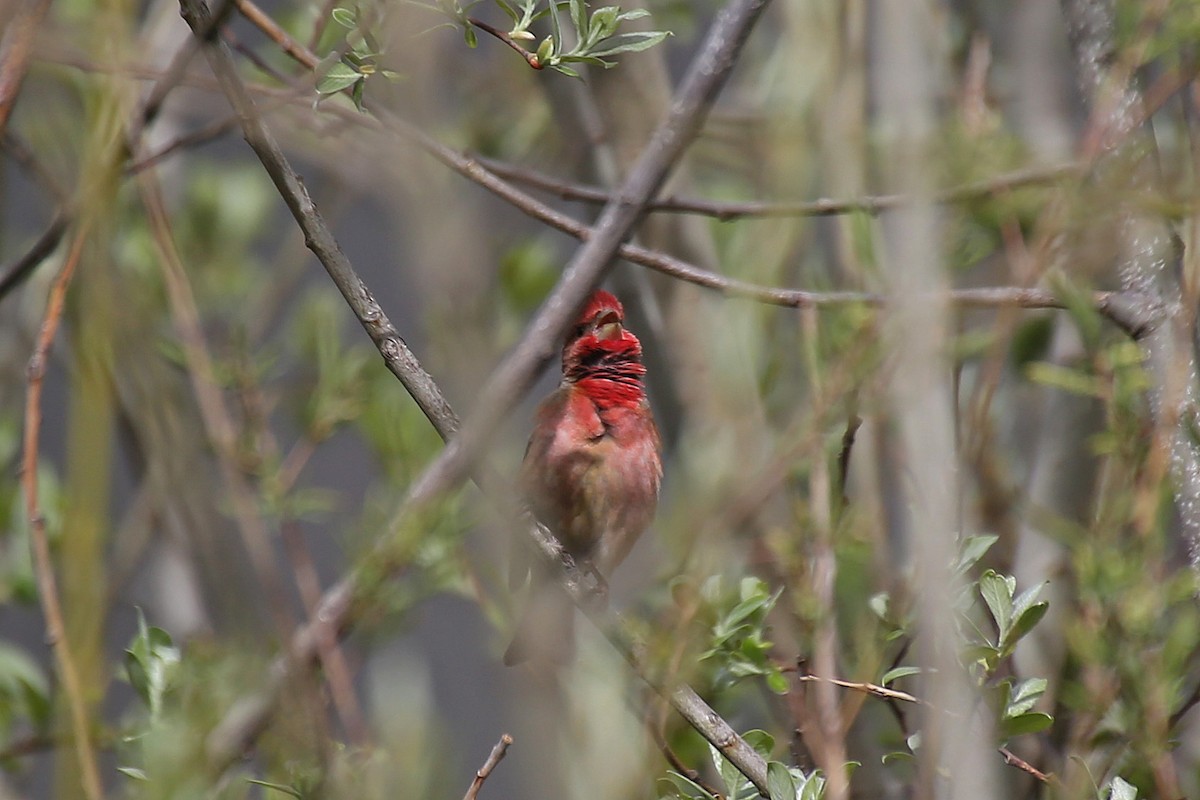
545,50
777,682
630,43
345,17
1032,722
897,673
997,591
134,773
1064,378
469,35
1026,622
279,787
1024,695
780,785
340,76
973,548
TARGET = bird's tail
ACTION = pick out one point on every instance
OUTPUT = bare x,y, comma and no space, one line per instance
546,631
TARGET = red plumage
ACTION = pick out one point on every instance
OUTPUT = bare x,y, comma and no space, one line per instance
592,468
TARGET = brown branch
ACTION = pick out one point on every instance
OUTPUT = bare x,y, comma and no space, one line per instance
725,211
47,585
675,761
1013,760
494,758
530,58
15,48
15,273
275,32
1010,758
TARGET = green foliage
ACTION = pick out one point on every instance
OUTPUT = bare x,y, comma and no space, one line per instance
24,692
151,664
596,35
357,60
738,647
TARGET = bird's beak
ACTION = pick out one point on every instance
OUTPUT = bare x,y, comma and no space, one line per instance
608,326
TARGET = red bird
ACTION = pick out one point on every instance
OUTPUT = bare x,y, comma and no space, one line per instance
591,471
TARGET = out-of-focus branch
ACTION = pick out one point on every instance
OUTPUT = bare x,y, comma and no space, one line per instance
824,207
494,758
218,422
510,380
15,273
43,566
15,47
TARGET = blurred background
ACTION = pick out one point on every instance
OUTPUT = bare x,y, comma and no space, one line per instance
220,442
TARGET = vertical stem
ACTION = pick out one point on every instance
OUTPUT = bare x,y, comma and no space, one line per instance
43,566
918,323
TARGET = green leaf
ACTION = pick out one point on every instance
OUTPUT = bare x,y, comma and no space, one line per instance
279,787
1064,378
898,672
579,18
973,548
997,591
683,787
510,11
780,785
777,682
345,17
133,772
545,50
151,663
1032,722
812,786
631,43
340,76
1026,622
1024,695
603,24
762,742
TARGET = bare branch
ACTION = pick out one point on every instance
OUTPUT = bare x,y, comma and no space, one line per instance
494,758
43,567
725,211
15,47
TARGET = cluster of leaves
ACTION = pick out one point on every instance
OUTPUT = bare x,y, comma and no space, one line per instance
738,644
596,35
357,60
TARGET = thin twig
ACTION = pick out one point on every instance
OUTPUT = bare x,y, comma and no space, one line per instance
276,33
1014,760
725,211
869,688
15,273
674,760
494,758
15,47
530,58
56,632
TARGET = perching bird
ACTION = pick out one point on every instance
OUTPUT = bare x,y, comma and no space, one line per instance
591,471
